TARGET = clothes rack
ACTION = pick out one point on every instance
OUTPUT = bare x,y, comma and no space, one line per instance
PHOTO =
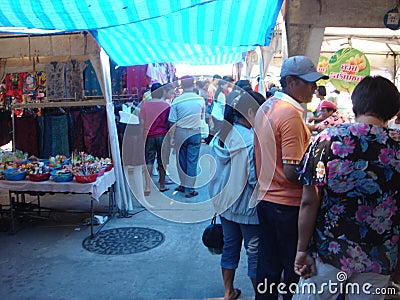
98,101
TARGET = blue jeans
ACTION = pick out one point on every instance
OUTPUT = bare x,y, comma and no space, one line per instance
234,234
187,143
277,251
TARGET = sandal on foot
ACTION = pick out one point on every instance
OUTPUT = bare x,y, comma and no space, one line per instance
146,193
192,194
180,189
236,294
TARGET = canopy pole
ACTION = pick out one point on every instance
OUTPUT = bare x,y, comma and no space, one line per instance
122,192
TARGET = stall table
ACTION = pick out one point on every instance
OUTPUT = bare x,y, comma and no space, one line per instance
95,189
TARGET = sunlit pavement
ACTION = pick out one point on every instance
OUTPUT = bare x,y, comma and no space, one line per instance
45,258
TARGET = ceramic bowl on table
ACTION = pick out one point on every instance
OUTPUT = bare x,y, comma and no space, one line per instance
86,178
59,176
39,177
14,174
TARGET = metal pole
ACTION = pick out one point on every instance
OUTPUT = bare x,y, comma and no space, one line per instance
13,128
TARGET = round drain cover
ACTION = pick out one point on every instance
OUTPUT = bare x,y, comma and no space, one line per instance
124,240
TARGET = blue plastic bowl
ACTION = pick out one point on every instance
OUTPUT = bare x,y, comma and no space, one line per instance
14,174
61,177
46,161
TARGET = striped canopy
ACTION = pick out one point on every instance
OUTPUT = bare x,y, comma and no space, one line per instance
136,32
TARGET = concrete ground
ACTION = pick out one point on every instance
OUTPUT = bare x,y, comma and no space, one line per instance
45,259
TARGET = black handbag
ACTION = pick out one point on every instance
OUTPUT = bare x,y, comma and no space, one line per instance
213,237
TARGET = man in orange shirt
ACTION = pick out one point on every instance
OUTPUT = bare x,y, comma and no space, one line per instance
281,138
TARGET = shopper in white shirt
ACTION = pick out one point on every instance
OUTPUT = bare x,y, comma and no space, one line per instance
219,105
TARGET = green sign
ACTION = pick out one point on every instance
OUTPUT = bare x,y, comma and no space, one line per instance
322,67
346,68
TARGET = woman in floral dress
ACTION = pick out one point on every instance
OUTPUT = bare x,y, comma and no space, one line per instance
349,221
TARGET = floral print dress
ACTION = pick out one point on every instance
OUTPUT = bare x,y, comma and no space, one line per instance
358,168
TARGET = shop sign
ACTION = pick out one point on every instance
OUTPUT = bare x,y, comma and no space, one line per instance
346,68
322,67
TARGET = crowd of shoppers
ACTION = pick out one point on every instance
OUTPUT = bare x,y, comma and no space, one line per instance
305,209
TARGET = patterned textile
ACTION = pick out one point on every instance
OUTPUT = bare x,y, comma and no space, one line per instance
137,80
14,83
91,82
161,73
29,83
54,136
74,79
358,168
55,80
118,79
334,119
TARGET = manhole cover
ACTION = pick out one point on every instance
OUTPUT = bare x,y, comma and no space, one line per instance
125,240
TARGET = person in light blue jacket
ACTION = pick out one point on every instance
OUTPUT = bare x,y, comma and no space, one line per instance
232,188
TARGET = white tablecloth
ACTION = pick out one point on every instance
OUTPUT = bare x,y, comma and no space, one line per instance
96,189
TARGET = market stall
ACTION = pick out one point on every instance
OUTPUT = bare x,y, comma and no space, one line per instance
94,189
64,49
41,36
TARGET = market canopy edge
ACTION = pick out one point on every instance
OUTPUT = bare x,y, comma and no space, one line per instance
140,32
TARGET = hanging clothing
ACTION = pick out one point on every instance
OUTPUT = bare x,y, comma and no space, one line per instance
14,83
26,134
91,82
53,136
78,142
41,82
171,73
118,79
137,80
95,133
74,79
157,73
30,83
5,127
55,80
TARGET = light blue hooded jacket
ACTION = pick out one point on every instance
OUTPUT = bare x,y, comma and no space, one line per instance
234,180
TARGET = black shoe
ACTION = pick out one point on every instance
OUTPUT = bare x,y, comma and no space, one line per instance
180,189
192,194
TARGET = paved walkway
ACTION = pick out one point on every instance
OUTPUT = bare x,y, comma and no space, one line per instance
45,259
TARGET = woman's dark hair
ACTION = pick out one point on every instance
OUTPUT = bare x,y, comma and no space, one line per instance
376,96
243,84
238,110
321,90
157,91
